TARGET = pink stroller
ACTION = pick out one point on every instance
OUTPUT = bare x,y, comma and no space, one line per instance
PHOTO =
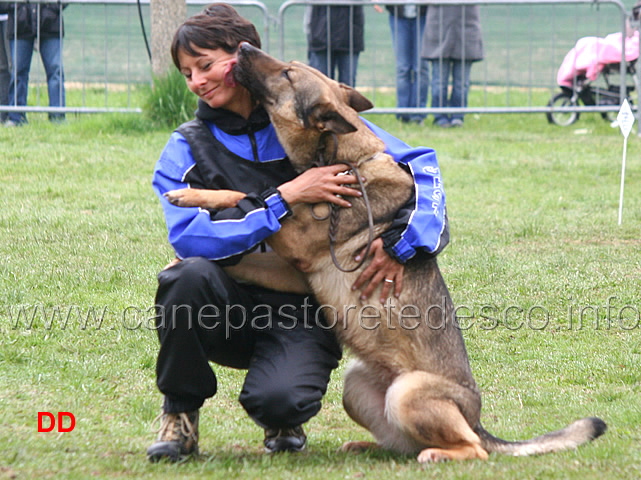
591,57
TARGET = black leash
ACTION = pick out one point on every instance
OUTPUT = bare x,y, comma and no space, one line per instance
334,210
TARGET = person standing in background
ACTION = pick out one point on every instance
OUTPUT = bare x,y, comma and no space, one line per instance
452,42
5,65
407,23
38,26
335,40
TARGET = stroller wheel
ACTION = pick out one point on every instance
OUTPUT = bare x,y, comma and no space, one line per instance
563,99
611,117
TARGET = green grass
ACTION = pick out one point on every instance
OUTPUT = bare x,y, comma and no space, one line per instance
533,215
170,102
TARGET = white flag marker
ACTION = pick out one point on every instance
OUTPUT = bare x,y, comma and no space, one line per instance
625,119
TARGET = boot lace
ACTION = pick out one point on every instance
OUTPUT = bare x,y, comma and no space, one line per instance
172,426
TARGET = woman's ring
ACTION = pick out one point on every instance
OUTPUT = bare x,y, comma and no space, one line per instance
387,280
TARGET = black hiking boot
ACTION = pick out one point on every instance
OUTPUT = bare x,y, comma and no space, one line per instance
285,439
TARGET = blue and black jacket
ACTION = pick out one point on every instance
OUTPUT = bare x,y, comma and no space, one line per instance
221,150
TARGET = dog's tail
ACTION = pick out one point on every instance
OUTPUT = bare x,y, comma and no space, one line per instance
572,436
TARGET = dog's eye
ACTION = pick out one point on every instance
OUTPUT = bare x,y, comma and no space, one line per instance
286,74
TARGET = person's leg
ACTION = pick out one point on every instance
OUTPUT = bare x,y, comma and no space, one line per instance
421,69
460,87
353,68
51,54
423,85
347,65
21,52
320,61
440,76
200,316
5,69
402,40
333,59
290,367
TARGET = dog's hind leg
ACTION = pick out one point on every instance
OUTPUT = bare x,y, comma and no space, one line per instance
364,401
437,414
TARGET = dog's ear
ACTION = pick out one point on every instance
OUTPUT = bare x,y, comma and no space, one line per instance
336,123
355,99
327,119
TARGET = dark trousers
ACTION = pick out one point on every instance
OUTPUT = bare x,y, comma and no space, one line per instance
203,315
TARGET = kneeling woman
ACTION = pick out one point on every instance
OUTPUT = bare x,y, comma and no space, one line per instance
205,315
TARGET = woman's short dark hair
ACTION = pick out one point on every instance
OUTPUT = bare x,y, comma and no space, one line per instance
219,26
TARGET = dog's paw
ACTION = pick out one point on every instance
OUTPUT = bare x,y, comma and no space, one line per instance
433,455
184,197
173,263
210,199
358,447
465,452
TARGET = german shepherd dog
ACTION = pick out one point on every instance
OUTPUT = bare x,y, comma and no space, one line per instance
410,386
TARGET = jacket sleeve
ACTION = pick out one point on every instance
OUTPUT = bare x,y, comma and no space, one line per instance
421,224
219,234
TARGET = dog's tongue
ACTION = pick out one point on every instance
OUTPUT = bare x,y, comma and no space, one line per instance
229,79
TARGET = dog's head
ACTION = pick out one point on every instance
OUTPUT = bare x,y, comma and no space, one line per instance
302,102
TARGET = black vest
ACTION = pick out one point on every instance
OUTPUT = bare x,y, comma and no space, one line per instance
218,168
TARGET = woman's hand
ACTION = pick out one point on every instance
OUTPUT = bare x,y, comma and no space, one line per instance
382,268
320,184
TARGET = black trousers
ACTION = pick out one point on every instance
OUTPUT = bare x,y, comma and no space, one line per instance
203,315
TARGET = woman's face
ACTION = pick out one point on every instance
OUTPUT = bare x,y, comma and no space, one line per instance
208,75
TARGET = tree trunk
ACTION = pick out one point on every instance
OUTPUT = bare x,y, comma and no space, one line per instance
166,17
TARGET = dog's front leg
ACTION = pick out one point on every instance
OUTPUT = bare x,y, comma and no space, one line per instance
210,199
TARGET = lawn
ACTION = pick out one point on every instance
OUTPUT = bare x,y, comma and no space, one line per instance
546,282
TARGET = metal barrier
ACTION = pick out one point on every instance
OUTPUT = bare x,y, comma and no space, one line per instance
525,41
104,54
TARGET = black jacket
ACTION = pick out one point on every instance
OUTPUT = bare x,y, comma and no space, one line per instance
339,29
217,167
223,150
32,18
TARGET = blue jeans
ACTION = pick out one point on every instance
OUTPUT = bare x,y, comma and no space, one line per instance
412,74
51,54
341,61
441,70
5,64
